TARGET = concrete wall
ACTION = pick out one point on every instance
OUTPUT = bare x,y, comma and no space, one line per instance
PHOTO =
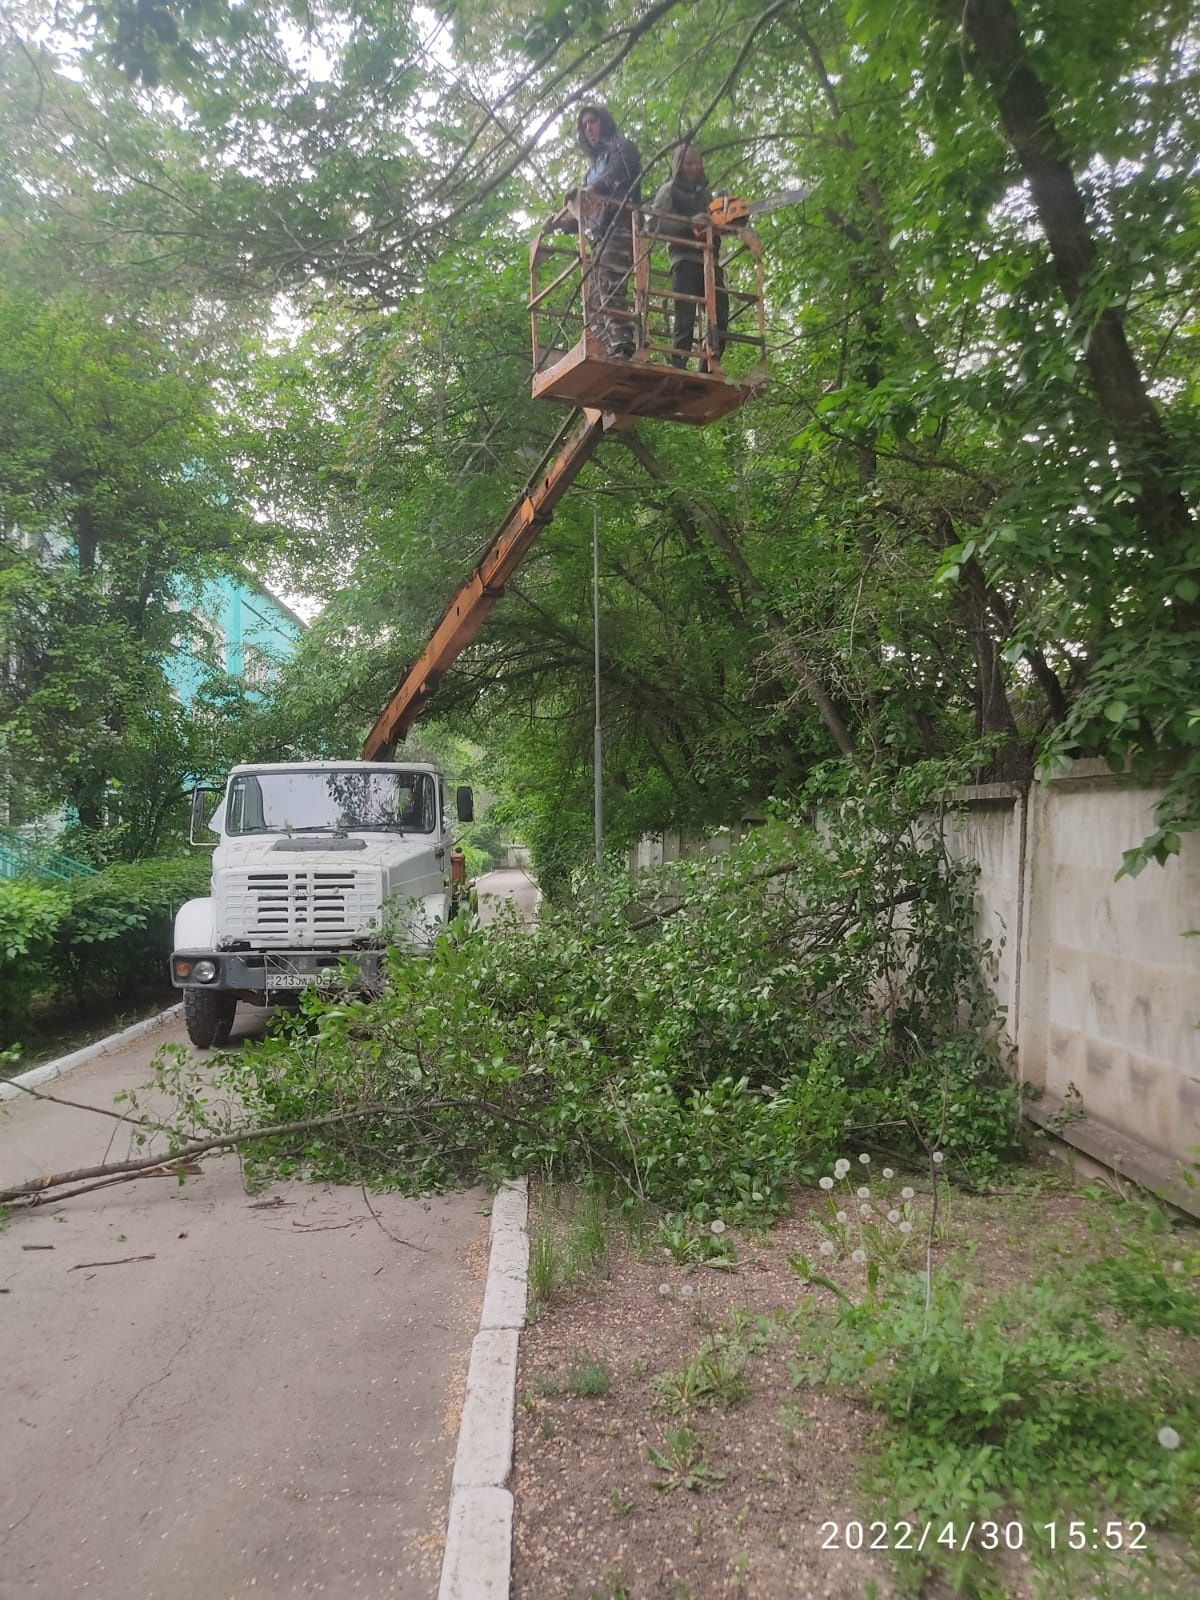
1101,989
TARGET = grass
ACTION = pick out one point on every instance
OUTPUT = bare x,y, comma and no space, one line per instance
572,1232
53,1034
587,1378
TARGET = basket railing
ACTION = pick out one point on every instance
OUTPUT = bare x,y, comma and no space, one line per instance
566,312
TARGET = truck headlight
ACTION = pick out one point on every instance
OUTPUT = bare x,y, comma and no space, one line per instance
204,971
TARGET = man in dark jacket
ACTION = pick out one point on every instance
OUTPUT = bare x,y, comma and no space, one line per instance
611,186
680,206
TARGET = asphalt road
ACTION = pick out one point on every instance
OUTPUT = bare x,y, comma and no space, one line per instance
507,886
267,1405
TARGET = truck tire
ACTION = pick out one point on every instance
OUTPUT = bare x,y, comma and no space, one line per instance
208,1016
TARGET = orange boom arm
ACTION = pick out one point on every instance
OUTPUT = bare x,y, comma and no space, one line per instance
472,603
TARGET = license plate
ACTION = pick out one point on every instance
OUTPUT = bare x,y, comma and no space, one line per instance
298,974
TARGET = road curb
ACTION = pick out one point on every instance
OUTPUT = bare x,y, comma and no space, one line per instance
10,1088
478,1558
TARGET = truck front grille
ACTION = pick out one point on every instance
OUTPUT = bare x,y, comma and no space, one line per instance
297,907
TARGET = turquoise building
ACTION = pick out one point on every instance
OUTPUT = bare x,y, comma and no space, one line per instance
235,626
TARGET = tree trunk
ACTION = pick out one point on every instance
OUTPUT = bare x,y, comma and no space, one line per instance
1136,429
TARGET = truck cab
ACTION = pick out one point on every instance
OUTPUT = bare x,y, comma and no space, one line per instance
317,864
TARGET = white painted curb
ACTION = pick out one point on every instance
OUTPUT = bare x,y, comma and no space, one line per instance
478,1559
9,1089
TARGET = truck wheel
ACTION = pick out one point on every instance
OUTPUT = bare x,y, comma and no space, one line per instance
208,1016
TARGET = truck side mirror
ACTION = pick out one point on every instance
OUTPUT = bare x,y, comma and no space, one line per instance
199,825
465,803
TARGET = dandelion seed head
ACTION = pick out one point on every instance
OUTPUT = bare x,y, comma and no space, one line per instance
888,1173
664,1288
1177,1266
717,1226
863,1193
687,1291
938,1158
906,1226
864,1210
826,1247
893,1215
842,1217
1168,1438
841,1168
906,1193
861,1255
827,1183
865,1159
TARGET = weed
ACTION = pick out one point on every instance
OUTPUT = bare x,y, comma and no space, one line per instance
692,1244
793,1422
572,1234
713,1377
614,1586
620,1503
1153,1281
682,1463
549,1431
546,1267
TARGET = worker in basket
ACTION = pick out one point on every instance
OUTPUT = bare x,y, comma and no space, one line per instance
611,186
681,219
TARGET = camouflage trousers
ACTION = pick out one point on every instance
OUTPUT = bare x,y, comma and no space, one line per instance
606,293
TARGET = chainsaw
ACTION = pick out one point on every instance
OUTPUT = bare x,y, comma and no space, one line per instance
731,211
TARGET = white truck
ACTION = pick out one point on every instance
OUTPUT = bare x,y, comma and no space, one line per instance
316,864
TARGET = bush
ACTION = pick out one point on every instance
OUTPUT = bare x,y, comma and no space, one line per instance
29,915
116,932
95,938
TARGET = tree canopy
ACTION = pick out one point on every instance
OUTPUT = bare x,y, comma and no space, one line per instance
961,518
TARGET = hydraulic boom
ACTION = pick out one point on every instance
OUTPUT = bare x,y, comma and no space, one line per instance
471,604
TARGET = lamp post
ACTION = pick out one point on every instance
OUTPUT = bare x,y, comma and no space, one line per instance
597,743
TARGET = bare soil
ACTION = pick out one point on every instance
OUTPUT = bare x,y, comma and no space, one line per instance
782,1466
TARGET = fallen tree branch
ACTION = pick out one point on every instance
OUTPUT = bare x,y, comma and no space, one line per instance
761,875
82,1266
80,1105
115,1171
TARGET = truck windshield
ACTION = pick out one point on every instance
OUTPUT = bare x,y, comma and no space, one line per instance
331,802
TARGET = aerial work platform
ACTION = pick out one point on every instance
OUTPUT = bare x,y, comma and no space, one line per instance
587,376
725,368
